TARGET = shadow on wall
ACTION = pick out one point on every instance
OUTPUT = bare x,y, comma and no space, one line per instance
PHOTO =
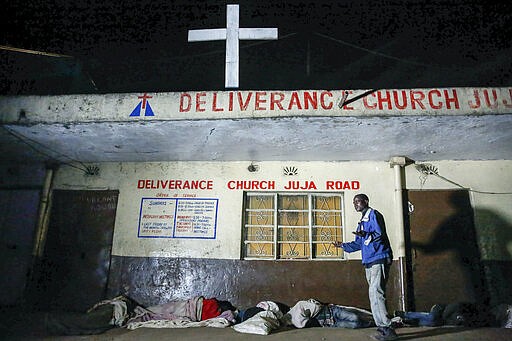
483,256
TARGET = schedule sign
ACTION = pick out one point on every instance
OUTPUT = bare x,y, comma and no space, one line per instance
178,218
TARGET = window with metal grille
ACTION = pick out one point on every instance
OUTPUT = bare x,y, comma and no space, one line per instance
292,225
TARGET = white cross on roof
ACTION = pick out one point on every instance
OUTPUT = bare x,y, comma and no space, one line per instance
232,34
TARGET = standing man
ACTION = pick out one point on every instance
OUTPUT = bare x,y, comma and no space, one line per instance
372,240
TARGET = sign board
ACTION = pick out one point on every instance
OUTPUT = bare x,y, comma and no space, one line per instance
200,105
178,218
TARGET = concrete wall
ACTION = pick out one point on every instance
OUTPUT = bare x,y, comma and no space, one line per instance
374,178
490,186
155,270
485,179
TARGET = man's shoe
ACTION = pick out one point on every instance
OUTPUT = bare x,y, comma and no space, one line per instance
385,334
397,322
399,313
437,308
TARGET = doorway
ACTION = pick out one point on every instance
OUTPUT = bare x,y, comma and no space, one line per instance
74,269
443,259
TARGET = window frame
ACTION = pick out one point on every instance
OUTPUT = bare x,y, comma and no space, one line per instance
275,226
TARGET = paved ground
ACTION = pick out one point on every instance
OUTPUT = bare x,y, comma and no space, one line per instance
320,334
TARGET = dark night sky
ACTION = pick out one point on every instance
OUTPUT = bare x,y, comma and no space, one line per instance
128,46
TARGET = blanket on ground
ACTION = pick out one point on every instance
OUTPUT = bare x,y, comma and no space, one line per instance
190,310
264,322
216,322
302,312
178,314
120,311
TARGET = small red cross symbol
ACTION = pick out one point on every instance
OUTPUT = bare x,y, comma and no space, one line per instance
144,98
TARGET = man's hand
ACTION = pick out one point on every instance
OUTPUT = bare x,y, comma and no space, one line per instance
360,233
337,243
